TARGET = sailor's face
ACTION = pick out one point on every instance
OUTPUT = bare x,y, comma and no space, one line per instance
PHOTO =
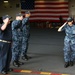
70,23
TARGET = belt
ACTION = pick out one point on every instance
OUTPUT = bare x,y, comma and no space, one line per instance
5,41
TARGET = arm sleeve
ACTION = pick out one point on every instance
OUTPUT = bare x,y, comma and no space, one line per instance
63,28
24,21
16,24
0,27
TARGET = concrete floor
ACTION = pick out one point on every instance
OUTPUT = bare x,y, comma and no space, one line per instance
46,50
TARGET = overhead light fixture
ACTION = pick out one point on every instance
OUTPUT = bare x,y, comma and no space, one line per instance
5,1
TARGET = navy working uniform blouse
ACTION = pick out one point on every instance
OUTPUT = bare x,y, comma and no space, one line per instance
70,33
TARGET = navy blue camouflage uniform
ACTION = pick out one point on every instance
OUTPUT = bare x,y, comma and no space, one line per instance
17,39
25,35
69,43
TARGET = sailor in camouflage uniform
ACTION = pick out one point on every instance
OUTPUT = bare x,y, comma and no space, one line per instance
17,40
26,33
69,42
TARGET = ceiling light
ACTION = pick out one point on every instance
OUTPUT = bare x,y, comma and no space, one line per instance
5,1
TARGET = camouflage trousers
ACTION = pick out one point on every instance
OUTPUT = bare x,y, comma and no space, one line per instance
16,49
69,51
24,46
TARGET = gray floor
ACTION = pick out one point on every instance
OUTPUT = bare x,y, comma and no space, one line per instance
46,49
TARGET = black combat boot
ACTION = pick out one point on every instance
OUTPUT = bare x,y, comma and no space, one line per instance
66,64
16,64
25,57
21,63
71,63
9,70
4,72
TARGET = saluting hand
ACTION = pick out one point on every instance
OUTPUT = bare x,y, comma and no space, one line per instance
6,20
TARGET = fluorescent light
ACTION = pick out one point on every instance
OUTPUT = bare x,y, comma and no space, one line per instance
5,1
